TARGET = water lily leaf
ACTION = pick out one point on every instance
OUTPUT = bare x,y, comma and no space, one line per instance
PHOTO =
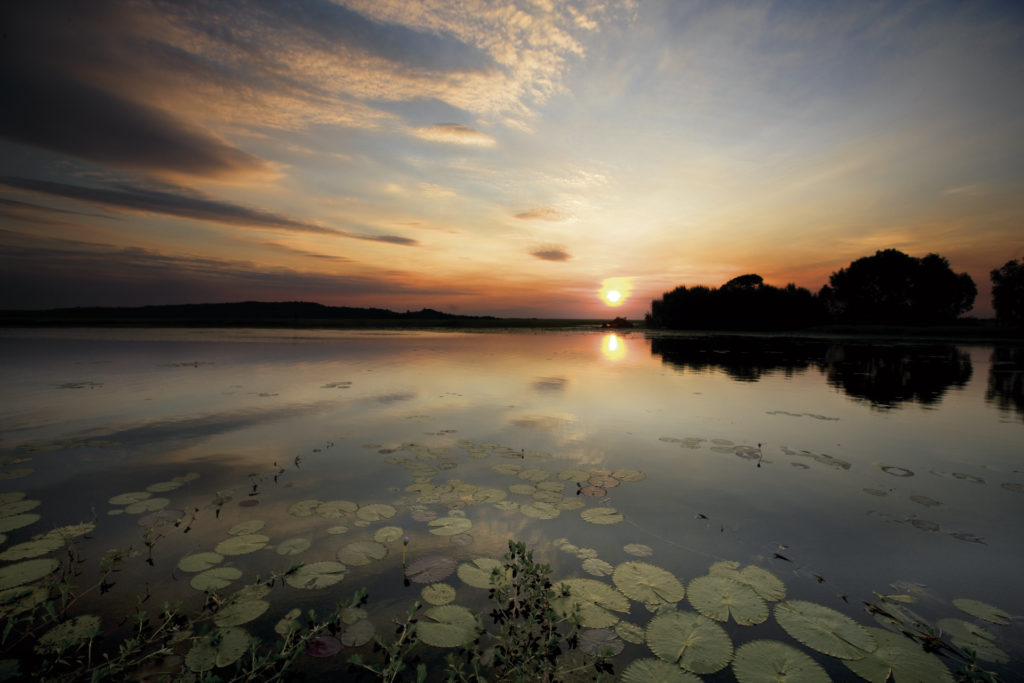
719,597
540,510
215,579
649,669
489,495
241,612
770,661
332,509
597,601
254,591
926,501
447,626
824,629
388,534
323,646
148,505
478,573
764,583
20,599
449,526
438,593
604,482
71,530
340,529
983,610
523,489
17,507
293,546
316,575
16,473
629,632
362,553
551,485
507,468
592,491
1013,486
964,634
305,508
11,497
602,516
638,549
198,562
629,475
645,582
68,633
289,623
358,633
507,505
600,642
164,486
689,640
28,549
25,572
900,659
249,527
350,615
430,569
242,545
574,475
375,512
129,498
222,647
534,474
17,521
597,567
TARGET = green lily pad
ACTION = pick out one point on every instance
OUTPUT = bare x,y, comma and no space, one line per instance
339,529
25,572
20,599
638,549
198,562
533,474
523,489
983,610
148,505
242,545
289,623
600,642
17,521
824,629
68,633
164,486
361,553
241,612
597,601
305,508
764,583
358,633
253,591
719,597
602,516
899,659
293,546
375,512
17,507
388,534
926,501
438,593
770,661
629,632
596,567
430,569
449,526
222,647
490,495
332,509
316,575
478,573
28,549
540,510
648,669
574,475
967,635
629,475
447,626
129,498
689,640
12,497
215,579
71,530
249,527
645,582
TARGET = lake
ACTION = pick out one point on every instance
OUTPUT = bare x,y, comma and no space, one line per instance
883,481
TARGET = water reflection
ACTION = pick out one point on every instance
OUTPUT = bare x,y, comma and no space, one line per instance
744,359
1006,379
613,347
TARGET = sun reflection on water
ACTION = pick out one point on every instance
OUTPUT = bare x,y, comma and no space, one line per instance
613,347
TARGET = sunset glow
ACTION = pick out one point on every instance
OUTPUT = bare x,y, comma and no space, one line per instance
491,158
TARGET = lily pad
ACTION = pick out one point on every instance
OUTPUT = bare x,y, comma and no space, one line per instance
438,593
28,549
648,669
597,601
574,475
17,521
375,512
241,612
293,546
540,510
388,534
215,579
604,482
164,486
25,572
478,573
430,569
198,562
362,553
629,632
764,583
68,633
289,623
926,501
983,610
242,545
249,527
638,549
596,567
967,635
129,498
21,599
824,629
602,516
447,626
770,661
323,646
316,575
304,508
148,505
718,597
523,489
489,495
359,633
689,640
534,474
222,647
899,659
600,642
645,582
332,509
71,530
1013,486
449,526
17,507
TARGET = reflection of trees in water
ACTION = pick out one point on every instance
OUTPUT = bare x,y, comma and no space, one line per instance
890,375
1006,379
883,375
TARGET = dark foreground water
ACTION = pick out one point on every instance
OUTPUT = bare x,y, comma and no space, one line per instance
850,471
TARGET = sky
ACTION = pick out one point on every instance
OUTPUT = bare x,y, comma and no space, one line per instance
515,158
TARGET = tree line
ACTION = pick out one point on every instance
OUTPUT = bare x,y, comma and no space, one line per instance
889,288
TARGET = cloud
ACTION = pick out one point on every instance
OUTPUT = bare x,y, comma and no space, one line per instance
551,254
454,133
182,202
544,213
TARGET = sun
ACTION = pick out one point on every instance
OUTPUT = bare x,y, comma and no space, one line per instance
614,291
613,296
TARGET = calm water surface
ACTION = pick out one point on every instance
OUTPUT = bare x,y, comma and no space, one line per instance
891,469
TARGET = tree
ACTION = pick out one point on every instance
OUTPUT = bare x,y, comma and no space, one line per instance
1008,293
894,288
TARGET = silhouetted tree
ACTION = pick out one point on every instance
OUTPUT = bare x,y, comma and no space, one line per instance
1008,293
891,287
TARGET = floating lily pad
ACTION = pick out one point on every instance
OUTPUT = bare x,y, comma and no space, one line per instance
362,553
970,636
770,661
17,521
11,497
488,495
689,640
29,549
629,475
242,545
323,646
215,579
304,508
983,610
647,583
533,474
602,516
600,642
897,471
540,510
253,591
638,549
68,633
592,491
164,486
198,562
222,647
449,526
597,601
925,525
507,468
20,599
478,572
604,482
17,507
438,593
17,473
718,597
289,623
316,575
375,512
25,572
332,509
597,567
431,569
129,498
1012,486
249,527
339,529
71,530
764,583
629,632
241,612
388,534
447,626
926,501
898,658
293,546
648,669
523,489
358,633
148,505
160,517
824,629
574,475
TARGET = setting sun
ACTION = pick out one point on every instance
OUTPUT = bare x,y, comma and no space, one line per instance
614,290
613,296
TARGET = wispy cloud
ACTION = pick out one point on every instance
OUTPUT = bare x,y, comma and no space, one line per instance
454,133
544,213
551,254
